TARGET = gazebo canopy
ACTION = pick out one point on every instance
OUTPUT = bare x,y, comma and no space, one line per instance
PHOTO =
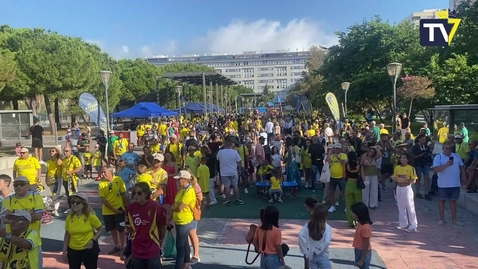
196,78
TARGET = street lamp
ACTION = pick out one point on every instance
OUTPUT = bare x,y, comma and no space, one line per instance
394,70
178,89
345,87
105,77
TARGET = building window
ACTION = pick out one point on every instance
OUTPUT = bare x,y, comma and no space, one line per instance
232,70
266,75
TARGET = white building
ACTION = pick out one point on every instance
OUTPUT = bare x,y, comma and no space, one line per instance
255,70
424,14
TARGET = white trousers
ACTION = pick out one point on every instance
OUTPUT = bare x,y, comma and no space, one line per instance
406,207
212,195
370,193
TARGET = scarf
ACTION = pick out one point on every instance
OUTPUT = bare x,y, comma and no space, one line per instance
15,257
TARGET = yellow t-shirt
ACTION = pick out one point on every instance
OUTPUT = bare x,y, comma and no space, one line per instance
175,149
311,132
146,178
185,196
243,152
443,134
53,170
462,150
192,162
32,202
28,168
162,129
404,174
97,159
203,176
336,167
159,178
140,129
88,158
120,146
81,230
264,170
70,164
18,255
184,133
155,148
275,183
112,192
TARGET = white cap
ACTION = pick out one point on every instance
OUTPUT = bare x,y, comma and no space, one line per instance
159,157
183,174
22,213
81,196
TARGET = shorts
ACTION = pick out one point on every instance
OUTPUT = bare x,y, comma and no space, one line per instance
112,222
425,170
194,225
37,143
271,191
88,168
452,193
387,169
229,181
153,263
334,182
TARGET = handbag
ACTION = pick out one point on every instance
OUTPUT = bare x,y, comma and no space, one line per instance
170,246
325,175
360,183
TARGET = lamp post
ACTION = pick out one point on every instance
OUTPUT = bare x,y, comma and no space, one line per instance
178,89
345,87
105,77
225,103
394,70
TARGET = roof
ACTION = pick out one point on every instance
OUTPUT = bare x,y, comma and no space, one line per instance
456,107
195,78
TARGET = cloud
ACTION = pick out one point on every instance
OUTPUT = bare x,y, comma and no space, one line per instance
167,48
125,49
263,35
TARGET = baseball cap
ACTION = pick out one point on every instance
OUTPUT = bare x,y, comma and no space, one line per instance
456,137
173,136
24,150
22,213
21,179
337,146
183,174
159,157
80,195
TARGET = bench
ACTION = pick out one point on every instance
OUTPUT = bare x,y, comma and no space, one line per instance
263,188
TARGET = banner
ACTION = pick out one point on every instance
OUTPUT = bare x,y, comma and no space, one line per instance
306,105
333,105
92,107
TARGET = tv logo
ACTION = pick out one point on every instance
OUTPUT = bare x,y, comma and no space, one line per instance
438,32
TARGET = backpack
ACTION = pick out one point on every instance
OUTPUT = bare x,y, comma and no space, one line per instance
197,210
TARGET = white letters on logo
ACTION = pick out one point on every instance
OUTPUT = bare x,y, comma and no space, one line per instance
431,31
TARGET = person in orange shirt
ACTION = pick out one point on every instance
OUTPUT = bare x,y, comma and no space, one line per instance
363,233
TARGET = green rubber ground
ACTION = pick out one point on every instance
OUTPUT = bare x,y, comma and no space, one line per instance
291,208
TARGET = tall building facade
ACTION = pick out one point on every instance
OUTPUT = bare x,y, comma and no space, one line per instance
424,14
254,70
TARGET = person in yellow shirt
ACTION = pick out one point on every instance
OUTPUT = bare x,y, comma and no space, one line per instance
53,177
144,176
71,165
192,162
276,189
21,247
88,157
112,192
120,146
177,149
443,133
203,176
337,162
264,171
163,127
98,161
29,167
24,199
160,179
405,175
244,153
155,146
140,130
182,214
82,231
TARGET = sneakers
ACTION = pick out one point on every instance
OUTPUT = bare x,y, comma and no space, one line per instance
337,203
332,209
307,185
271,200
194,260
55,213
231,192
239,202
212,203
246,191
228,203
410,230
279,200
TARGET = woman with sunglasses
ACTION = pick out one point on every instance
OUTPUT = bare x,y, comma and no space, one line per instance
182,214
148,233
53,177
82,230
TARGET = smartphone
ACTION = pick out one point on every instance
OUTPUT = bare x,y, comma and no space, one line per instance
451,159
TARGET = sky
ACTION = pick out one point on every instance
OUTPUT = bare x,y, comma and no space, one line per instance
143,28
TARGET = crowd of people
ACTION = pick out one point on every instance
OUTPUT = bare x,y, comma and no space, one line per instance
186,167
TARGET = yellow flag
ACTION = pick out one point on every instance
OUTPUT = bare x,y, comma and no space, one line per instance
333,105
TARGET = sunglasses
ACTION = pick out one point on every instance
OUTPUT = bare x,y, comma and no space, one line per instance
138,193
19,184
446,148
66,151
76,202
23,153
110,186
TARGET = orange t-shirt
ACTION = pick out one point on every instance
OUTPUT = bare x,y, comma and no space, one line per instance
274,238
362,231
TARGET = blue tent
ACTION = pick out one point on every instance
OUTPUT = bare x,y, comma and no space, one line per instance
198,108
144,110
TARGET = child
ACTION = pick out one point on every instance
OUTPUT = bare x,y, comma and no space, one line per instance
126,256
88,157
203,176
276,189
155,146
145,177
127,175
264,171
192,161
97,161
405,175
18,148
363,233
276,158
314,239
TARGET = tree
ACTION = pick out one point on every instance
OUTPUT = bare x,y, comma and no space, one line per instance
415,87
7,67
138,77
267,95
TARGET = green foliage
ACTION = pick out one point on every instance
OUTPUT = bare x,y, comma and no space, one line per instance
267,95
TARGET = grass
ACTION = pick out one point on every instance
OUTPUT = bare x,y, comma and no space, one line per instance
291,208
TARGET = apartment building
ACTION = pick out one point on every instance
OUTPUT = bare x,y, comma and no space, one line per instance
424,14
255,70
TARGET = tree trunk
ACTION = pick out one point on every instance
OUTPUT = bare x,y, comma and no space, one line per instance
73,120
57,113
49,112
15,105
410,108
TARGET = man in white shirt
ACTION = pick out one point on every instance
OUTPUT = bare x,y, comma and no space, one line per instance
328,133
229,167
270,131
